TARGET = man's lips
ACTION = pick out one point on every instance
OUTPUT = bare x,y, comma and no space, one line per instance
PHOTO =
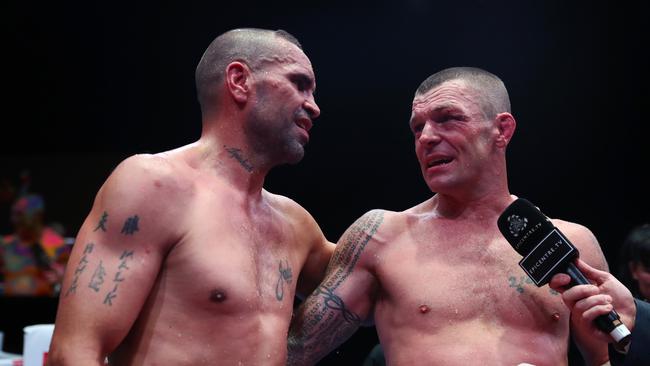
438,161
304,123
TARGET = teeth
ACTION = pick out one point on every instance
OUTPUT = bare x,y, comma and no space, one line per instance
440,162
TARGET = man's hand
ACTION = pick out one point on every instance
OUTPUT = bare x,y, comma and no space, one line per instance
587,302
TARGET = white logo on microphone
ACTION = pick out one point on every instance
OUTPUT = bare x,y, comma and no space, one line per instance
517,224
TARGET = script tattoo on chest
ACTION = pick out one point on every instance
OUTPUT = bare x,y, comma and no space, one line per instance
285,276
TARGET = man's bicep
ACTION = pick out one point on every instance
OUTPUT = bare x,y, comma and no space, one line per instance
107,279
113,265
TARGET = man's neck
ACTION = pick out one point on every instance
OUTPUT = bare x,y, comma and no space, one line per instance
231,161
472,207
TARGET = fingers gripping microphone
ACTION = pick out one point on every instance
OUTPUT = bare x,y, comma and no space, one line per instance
546,251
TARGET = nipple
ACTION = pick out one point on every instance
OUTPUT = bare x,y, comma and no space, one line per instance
424,309
217,296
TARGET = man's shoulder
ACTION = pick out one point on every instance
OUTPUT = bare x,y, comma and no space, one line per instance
571,228
146,181
156,171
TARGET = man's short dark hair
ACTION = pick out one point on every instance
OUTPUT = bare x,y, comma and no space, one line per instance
489,86
248,45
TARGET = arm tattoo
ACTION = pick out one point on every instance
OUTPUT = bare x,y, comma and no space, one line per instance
98,277
81,267
236,154
102,222
323,321
285,276
130,225
119,276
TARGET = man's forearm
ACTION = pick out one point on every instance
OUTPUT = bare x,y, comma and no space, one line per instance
321,324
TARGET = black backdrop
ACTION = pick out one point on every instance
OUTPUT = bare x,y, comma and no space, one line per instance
87,84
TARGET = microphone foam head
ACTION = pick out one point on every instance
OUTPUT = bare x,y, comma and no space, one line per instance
523,225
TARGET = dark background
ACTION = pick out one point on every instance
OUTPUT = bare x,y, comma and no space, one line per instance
87,84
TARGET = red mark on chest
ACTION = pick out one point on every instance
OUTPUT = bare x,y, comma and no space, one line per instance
555,316
424,309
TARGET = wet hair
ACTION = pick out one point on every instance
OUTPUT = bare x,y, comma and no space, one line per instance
635,249
489,86
249,45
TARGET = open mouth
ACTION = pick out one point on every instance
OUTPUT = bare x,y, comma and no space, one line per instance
438,162
304,123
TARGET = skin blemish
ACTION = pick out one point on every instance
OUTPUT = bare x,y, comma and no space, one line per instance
555,316
424,309
217,296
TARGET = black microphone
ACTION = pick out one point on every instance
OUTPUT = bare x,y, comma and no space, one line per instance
546,251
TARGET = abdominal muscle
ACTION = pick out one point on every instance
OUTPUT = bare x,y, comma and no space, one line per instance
472,342
257,340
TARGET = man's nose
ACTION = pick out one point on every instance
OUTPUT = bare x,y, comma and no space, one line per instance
429,135
312,108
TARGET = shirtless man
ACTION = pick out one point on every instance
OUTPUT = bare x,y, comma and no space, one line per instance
184,258
440,281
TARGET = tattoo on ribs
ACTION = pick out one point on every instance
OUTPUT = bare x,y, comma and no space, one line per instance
236,154
81,267
119,276
131,225
102,222
285,276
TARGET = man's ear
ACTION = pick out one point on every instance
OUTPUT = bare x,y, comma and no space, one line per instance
238,77
506,125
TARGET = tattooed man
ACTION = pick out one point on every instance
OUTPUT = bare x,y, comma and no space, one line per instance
441,283
184,258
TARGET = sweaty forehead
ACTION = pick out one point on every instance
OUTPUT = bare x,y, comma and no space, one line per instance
453,94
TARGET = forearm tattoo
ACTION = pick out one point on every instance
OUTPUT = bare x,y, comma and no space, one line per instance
323,321
285,276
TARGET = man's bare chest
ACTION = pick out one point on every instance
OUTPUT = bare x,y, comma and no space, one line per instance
463,284
232,262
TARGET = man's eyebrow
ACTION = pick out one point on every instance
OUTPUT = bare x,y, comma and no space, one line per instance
303,77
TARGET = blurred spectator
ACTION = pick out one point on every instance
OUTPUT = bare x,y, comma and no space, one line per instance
634,263
33,257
